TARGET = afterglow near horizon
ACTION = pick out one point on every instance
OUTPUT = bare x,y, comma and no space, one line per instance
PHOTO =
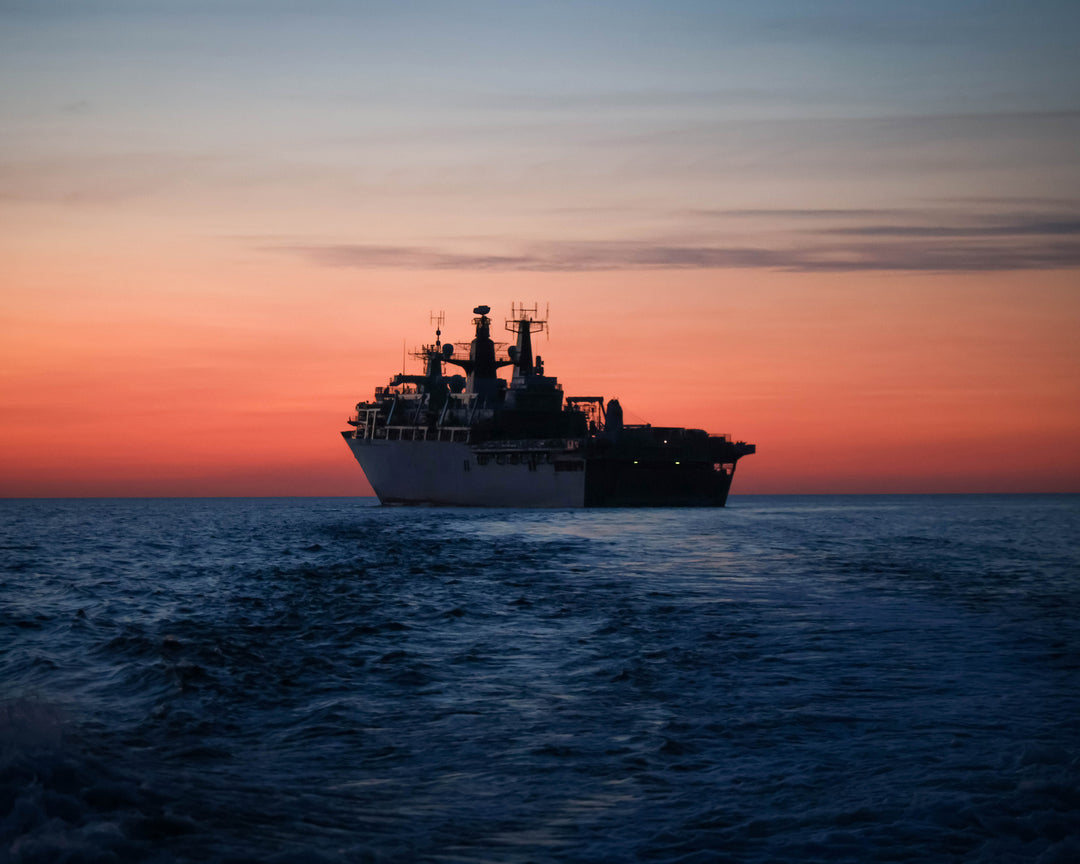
846,232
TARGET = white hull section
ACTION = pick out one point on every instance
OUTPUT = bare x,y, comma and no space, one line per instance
449,473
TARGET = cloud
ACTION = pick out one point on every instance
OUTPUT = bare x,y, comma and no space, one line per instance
820,213
565,257
943,257
964,217
1017,228
411,258
897,253
951,235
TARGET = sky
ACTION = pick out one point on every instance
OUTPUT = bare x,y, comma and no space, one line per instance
848,232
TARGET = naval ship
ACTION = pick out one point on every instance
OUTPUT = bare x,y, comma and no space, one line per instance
472,438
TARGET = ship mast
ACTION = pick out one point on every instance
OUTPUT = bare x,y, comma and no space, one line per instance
524,321
432,382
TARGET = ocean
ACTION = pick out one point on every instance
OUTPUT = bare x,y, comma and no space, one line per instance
820,678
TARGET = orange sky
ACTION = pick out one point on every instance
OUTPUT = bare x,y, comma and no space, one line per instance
847,383
860,256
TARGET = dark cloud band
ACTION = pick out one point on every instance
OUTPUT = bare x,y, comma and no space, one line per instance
919,252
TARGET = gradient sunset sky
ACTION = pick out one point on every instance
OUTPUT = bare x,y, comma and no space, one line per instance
848,232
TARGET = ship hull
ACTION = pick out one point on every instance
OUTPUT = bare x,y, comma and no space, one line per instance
444,473
451,474
625,483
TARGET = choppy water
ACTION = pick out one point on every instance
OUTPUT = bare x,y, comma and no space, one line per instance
813,679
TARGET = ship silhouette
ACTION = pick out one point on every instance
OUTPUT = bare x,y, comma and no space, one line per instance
476,439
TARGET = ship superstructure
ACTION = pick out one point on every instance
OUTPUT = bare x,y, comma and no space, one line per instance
478,439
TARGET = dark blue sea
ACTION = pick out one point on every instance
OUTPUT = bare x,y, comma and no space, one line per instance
840,679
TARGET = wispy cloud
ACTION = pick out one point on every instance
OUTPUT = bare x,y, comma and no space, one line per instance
376,257
1016,228
816,214
946,236
898,255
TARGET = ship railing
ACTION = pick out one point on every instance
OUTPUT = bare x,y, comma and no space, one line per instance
364,421
459,434
528,444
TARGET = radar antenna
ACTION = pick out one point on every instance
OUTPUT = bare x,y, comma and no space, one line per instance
524,321
437,320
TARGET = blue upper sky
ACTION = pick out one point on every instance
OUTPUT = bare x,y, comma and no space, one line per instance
537,122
